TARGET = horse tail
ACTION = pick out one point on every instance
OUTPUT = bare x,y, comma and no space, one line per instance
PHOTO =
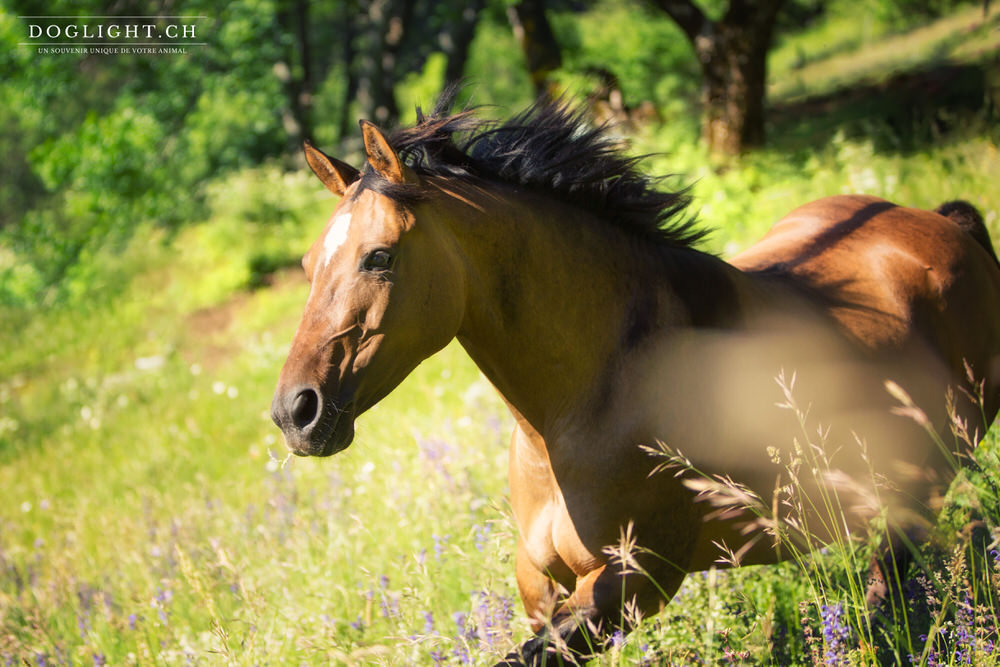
966,216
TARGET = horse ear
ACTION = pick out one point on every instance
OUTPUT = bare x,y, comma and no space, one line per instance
337,176
380,154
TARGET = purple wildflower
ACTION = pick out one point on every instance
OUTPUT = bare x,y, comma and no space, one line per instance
836,634
461,655
160,602
440,542
964,634
481,536
437,453
82,624
389,606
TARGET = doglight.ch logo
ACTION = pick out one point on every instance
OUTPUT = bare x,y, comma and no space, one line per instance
113,35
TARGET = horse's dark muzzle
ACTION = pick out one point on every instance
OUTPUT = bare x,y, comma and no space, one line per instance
312,426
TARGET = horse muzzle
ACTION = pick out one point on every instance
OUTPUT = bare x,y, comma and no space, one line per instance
312,425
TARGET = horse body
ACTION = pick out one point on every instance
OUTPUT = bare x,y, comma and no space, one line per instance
602,342
893,298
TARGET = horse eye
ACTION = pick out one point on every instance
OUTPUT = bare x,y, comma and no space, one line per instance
377,260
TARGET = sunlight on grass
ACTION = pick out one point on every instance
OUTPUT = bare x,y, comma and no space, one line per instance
796,71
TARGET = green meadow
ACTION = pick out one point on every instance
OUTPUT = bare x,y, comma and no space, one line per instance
152,516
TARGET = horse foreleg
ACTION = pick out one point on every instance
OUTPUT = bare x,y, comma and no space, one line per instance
584,624
540,593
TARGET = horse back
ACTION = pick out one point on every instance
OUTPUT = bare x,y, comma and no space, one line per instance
893,279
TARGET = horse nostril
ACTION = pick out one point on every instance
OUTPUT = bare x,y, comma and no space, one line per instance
305,407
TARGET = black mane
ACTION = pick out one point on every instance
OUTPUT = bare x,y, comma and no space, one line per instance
547,148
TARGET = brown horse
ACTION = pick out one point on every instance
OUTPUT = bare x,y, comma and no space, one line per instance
574,285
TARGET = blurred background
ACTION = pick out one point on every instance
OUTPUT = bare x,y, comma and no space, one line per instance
153,210
95,143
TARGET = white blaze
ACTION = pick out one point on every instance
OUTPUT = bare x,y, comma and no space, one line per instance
336,236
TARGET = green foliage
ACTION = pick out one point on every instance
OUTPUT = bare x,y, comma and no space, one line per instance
496,71
117,140
641,46
904,13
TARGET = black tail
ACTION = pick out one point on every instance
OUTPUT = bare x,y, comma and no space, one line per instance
968,218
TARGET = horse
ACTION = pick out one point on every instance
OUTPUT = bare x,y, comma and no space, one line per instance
575,284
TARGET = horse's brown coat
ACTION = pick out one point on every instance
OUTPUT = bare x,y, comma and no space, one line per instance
599,347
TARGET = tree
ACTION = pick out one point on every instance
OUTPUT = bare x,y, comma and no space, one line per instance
732,54
386,27
455,42
537,40
297,78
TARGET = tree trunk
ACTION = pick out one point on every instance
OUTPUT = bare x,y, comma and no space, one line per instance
538,42
734,86
732,53
387,20
293,16
349,29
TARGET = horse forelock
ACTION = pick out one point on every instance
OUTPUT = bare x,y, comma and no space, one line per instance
548,148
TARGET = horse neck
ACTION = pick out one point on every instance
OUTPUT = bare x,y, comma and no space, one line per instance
554,301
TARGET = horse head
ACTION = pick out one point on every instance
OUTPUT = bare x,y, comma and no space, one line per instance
384,296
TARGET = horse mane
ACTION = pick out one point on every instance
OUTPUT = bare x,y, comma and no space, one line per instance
547,148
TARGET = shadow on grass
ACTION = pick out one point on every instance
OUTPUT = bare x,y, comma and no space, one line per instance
903,114
265,266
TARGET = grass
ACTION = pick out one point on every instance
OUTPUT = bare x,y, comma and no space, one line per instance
854,48
152,517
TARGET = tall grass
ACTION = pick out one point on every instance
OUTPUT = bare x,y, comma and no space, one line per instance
944,611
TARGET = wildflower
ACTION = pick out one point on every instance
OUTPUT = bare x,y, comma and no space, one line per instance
836,634
389,605
963,634
428,623
460,618
160,602
440,541
437,453
461,654
481,536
